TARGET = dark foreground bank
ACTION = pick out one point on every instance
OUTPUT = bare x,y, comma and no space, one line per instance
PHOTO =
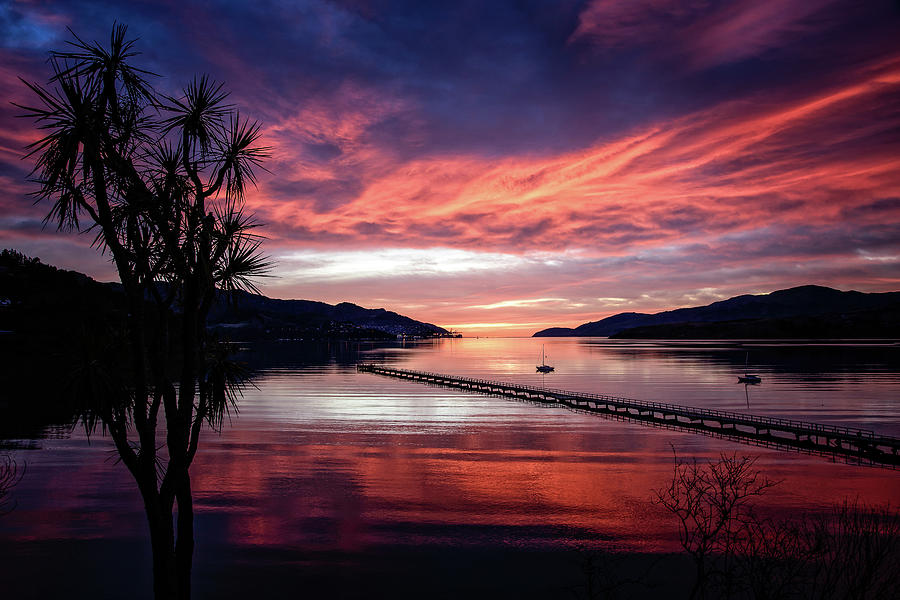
398,573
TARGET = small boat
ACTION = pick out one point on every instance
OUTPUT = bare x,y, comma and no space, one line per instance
543,367
748,378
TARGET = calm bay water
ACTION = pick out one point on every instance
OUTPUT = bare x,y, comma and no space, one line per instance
328,479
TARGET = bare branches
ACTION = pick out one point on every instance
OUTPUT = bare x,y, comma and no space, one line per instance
857,551
711,501
849,552
10,475
711,498
772,559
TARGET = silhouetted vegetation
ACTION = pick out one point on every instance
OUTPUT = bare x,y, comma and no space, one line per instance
10,475
856,552
710,502
159,180
52,321
40,302
254,317
609,576
849,552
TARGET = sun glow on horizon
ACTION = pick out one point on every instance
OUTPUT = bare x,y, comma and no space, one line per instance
504,329
390,262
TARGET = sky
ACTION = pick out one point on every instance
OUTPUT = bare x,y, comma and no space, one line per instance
500,167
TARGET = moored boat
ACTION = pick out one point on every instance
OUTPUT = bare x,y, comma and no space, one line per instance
543,367
747,377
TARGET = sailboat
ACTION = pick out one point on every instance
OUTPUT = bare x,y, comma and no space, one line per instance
543,367
748,378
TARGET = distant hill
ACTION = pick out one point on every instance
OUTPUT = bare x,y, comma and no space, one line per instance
56,325
52,322
42,299
252,316
808,311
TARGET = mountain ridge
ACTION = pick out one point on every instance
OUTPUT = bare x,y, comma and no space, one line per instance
30,289
760,315
303,318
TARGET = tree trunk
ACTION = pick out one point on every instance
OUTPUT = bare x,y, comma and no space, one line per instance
159,520
184,546
164,578
699,589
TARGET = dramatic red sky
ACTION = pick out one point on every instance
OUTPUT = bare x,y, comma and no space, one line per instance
500,167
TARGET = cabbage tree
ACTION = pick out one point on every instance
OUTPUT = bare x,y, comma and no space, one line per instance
159,180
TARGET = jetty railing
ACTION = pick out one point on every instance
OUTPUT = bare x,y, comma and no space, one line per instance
857,445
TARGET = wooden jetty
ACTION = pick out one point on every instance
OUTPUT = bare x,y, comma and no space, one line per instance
855,445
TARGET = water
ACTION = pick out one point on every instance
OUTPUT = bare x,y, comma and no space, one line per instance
332,481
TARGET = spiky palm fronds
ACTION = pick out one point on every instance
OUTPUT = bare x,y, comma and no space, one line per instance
238,248
69,116
198,116
124,88
96,383
142,166
95,60
225,380
244,263
241,155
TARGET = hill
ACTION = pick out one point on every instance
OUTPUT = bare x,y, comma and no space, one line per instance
40,299
252,316
808,311
57,325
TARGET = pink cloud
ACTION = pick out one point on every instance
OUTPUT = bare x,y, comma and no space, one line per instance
748,196
617,23
723,169
700,31
750,27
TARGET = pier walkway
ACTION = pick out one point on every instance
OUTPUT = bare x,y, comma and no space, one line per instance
855,445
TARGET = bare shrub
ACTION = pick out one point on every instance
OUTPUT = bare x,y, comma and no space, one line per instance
856,552
712,501
10,475
609,575
850,552
772,559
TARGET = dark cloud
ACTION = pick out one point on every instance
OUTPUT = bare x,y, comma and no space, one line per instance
443,232
366,228
802,242
30,227
323,151
682,218
489,77
886,208
322,195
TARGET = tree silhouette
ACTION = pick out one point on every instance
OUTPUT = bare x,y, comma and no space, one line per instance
856,552
712,502
160,181
10,475
851,551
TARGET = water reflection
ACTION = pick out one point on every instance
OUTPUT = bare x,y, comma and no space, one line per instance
328,479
